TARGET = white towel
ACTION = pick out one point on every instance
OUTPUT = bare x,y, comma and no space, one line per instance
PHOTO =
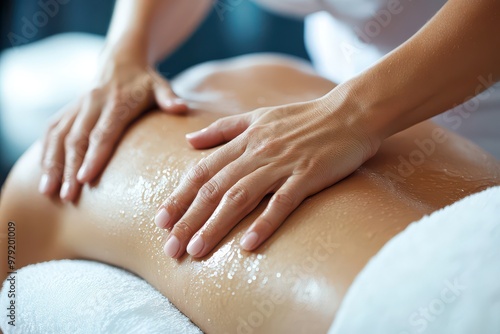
77,296
440,275
448,263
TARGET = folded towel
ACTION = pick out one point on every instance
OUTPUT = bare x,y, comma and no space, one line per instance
440,275
77,296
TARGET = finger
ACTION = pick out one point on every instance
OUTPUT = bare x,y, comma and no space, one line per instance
53,156
76,144
53,122
179,201
238,201
103,139
220,131
205,202
281,205
165,97
209,196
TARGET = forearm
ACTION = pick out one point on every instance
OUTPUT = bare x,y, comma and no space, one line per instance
149,30
448,61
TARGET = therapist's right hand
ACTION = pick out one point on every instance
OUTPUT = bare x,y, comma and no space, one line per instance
82,136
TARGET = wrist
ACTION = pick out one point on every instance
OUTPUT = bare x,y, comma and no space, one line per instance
116,57
343,102
127,52
375,107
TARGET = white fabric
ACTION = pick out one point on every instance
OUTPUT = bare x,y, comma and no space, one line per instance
422,268
292,7
349,36
342,44
345,37
440,275
85,297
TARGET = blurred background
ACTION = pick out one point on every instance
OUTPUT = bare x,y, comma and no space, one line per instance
49,56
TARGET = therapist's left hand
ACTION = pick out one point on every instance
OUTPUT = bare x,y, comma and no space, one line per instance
292,151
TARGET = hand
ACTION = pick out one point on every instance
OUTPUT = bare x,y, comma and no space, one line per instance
81,138
293,151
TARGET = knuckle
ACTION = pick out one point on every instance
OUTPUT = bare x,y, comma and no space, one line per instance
118,112
238,195
94,94
54,168
102,134
54,137
255,130
241,122
72,159
116,96
266,147
198,173
139,91
183,230
210,193
71,141
284,201
177,207
76,143
310,167
75,148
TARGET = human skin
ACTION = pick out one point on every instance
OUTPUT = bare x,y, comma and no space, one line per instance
81,137
459,53
296,280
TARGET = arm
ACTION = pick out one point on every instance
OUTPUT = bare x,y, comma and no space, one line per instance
150,30
451,59
81,139
297,150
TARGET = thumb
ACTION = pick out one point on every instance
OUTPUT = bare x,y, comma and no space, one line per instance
219,132
165,97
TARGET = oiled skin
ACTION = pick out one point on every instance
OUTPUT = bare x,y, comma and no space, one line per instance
297,279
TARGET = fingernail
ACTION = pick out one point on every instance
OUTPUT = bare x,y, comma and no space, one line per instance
172,246
162,218
196,245
249,240
65,190
82,172
45,183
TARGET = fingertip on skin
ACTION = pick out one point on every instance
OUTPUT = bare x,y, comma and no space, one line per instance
65,191
196,246
249,241
47,184
162,218
83,174
172,246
